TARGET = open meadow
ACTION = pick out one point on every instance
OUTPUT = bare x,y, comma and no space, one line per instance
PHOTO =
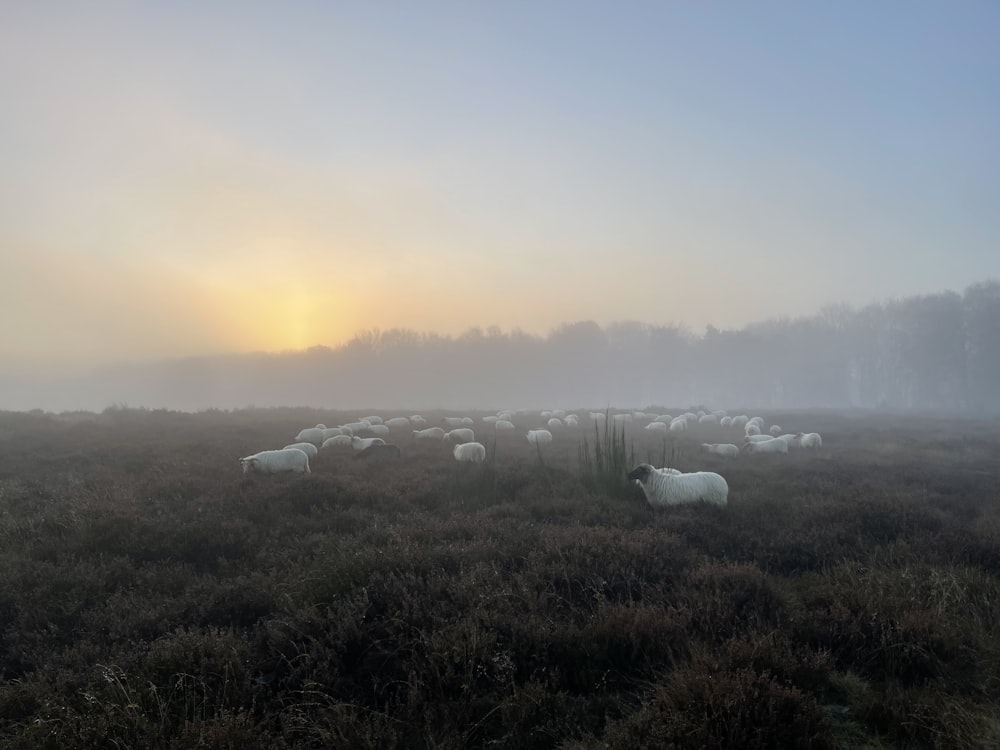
153,596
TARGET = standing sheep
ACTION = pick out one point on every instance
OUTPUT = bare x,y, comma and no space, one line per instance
502,425
460,435
431,433
539,437
309,449
811,440
471,452
722,449
274,462
361,443
774,445
665,487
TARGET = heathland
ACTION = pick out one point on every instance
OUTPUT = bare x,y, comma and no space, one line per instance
152,596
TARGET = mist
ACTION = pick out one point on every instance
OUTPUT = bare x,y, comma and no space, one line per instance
936,352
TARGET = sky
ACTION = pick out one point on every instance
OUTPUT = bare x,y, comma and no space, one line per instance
184,178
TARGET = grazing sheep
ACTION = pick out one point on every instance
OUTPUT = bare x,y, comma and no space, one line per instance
379,452
397,422
752,428
371,420
774,445
460,435
356,426
468,421
598,416
664,487
678,425
555,423
741,420
310,435
757,438
665,418
811,440
490,418
505,416
503,424
539,437
775,430
336,440
379,429
558,413
274,462
431,433
309,449
361,443
723,449
571,420
329,432
621,418
794,441
708,419
417,419
657,427
545,414
453,421
472,452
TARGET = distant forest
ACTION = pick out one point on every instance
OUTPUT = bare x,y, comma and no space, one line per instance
932,352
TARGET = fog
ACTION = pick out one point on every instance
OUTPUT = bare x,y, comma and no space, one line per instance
938,352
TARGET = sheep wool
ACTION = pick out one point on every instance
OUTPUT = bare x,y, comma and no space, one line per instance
310,435
539,437
309,449
774,445
336,440
460,435
811,440
665,487
471,452
274,462
361,443
722,449
431,433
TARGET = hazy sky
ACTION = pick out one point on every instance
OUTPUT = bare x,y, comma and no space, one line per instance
186,177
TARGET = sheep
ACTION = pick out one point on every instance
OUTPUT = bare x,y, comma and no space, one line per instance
431,433
379,452
460,435
336,440
759,421
505,416
664,487
555,423
720,413
309,449
472,452
665,418
310,435
678,425
741,420
379,429
453,421
490,418
571,420
726,422
545,414
467,421
329,432
722,449
397,422
360,426
539,437
361,443
775,430
751,428
371,420
503,424
558,413
794,441
708,419
417,419
657,427
757,438
622,418
811,440
598,416
274,462
321,426
774,445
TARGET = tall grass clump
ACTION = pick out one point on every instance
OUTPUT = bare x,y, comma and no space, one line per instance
606,461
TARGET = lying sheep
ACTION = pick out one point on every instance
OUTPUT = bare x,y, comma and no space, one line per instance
460,435
664,487
539,437
431,433
471,452
361,443
309,449
774,445
338,440
722,449
274,462
379,452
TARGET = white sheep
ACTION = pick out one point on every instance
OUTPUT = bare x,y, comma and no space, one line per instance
598,416
431,433
679,424
336,440
759,421
571,420
664,487
665,418
310,435
657,427
774,445
751,428
539,437
555,423
359,426
775,430
622,418
741,420
505,416
490,418
503,424
329,432
379,429
361,443
794,441
472,452
558,413
545,414
726,422
722,449
321,426
274,462
453,421
417,419
811,440
309,449
397,422
757,438
708,419
460,435
371,420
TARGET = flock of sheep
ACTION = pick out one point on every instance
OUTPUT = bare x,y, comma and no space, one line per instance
662,487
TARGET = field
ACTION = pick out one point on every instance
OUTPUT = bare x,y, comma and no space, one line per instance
152,596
